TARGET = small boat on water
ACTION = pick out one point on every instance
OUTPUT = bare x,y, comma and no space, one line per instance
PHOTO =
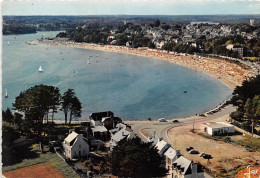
40,69
8,43
6,95
88,62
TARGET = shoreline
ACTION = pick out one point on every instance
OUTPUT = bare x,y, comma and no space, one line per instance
228,73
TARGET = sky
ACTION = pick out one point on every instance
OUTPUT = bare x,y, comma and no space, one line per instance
129,7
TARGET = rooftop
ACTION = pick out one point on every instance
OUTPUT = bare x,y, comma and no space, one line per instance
71,137
183,163
170,153
161,144
99,129
217,124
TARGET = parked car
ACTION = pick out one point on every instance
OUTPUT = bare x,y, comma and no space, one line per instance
207,156
249,149
176,121
202,154
162,120
193,152
189,148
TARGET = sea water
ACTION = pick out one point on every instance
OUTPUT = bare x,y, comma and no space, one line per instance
133,87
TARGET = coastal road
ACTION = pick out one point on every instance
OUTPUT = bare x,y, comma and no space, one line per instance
161,128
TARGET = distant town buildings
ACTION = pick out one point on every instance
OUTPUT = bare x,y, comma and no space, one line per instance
237,48
252,22
204,22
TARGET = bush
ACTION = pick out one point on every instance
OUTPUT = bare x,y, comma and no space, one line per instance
237,115
227,139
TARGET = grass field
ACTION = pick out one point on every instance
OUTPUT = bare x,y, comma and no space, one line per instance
252,58
252,143
43,170
50,158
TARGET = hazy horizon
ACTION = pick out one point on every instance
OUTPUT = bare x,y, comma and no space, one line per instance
145,15
130,7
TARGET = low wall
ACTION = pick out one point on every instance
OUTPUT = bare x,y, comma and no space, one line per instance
245,132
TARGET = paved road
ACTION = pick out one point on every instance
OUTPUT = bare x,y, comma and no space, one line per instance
161,128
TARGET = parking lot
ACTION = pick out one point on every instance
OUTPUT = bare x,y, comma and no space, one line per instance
226,156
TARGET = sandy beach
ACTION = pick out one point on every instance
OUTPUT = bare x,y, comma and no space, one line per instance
229,73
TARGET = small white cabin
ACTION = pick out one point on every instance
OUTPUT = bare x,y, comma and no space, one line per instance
217,128
75,146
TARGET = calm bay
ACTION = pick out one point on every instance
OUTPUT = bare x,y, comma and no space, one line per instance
133,87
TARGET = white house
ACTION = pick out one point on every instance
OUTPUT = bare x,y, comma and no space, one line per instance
184,168
217,128
123,133
75,146
162,146
100,131
170,156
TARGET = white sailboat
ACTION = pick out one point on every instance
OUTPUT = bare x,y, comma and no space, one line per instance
6,95
40,69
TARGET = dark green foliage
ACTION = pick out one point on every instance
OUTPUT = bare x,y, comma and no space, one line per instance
156,23
7,116
70,104
247,98
168,46
134,158
88,35
218,45
140,41
9,134
165,26
248,89
237,115
121,39
36,103
227,139
151,45
247,126
18,29
252,107
253,47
